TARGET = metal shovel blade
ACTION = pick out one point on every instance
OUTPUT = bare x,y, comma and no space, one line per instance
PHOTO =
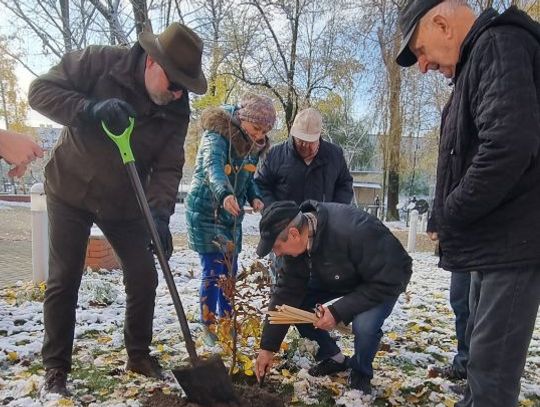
206,383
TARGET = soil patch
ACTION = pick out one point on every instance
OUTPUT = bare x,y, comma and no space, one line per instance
423,242
248,396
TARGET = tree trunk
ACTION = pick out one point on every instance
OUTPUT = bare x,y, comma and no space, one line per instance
216,58
66,30
396,123
4,103
140,11
292,105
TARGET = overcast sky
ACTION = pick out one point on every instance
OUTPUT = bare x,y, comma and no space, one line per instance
24,77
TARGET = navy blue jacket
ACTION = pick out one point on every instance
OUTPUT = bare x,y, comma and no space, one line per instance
284,176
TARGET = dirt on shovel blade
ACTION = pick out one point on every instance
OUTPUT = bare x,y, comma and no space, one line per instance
247,396
207,382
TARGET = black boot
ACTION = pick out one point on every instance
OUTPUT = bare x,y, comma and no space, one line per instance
146,365
329,366
55,381
359,382
447,372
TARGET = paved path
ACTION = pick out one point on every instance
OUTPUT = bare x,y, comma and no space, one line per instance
15,244
15,262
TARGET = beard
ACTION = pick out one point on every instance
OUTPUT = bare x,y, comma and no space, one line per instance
161,98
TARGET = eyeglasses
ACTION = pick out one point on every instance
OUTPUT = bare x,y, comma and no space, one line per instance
173,87
303,143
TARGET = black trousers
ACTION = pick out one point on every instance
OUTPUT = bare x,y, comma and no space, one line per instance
69,229
503,305
460,284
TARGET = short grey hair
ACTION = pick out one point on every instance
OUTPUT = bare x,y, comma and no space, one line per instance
297,222
446,7
453,4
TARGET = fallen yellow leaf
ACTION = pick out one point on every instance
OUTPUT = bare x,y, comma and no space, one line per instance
131,392
452,403
13,356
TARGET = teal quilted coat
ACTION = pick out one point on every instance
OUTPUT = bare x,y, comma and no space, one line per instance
225,165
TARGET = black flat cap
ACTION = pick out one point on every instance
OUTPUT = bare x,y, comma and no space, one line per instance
274,220
409,16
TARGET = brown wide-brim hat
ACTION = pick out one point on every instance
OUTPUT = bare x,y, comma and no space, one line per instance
179,52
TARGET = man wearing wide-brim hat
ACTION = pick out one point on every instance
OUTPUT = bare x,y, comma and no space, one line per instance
86,182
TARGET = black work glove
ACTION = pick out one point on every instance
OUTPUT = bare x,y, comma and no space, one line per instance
162,225
114,112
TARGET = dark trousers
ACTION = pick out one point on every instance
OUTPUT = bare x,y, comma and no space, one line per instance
69,230
366,328
459,300
503,313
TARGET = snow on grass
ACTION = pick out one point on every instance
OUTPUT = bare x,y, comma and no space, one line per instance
419,333
7,205
250,224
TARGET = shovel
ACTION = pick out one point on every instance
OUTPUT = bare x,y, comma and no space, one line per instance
207,381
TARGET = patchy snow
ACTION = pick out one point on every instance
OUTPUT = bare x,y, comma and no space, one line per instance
250,224
396,225
7,205
419,333
177,225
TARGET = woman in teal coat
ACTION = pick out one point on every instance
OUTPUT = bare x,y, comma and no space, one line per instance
234,137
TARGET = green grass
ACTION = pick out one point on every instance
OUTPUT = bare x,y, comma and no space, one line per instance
36,368
438,357
401,364
91,333
95,379
325,397
286,389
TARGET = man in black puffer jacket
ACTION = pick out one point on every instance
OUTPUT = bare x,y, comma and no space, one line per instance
487,200
305,166
330,251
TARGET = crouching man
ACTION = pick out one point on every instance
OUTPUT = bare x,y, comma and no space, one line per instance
330,251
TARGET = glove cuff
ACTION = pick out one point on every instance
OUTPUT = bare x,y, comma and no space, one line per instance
88,110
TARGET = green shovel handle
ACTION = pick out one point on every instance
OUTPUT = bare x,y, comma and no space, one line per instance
122,140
